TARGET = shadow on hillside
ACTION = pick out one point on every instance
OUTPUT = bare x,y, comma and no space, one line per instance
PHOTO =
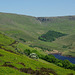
1,55
41,71
21,64
71,74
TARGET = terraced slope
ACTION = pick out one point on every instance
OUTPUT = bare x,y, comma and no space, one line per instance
14,63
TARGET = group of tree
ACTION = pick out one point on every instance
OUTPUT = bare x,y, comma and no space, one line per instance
51,36
50,58
28,52
62,63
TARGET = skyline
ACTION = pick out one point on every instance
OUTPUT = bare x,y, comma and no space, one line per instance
40,8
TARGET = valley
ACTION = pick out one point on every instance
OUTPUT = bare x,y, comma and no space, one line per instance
22,36
30,28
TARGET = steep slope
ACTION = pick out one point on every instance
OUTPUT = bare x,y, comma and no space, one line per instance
14,63
29,28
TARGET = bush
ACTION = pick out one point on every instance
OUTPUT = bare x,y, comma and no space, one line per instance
22,39
27,52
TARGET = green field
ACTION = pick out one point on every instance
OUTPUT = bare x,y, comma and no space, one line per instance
14,63
30,28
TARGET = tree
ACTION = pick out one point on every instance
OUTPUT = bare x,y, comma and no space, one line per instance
27,52
66,64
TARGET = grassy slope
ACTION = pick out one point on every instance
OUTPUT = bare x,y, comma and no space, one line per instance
14,61
65,25
28,28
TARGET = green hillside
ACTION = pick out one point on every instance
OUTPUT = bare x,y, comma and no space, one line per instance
14,62
27,29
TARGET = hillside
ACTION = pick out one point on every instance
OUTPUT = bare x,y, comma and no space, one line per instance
14,62
27,29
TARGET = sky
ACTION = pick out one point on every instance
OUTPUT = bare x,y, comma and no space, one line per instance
39,8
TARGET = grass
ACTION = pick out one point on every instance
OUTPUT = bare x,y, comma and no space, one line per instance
29,63
29,29
13,63
4,40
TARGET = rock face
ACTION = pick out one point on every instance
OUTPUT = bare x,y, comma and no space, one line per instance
45,19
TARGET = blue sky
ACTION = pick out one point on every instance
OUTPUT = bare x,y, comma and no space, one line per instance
39,7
